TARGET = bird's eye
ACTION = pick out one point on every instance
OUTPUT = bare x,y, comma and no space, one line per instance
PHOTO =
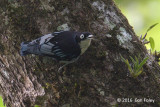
82,36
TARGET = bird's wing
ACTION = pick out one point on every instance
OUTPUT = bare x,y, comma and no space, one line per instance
51,48
45,38
61,46
45,46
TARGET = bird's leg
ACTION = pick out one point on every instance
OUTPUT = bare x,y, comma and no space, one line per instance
61,72
60,68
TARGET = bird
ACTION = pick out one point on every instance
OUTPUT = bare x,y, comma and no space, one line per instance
63,46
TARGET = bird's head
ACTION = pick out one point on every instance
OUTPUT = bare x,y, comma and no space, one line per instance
84,40
84,36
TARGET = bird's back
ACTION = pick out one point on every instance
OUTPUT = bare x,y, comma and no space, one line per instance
61,46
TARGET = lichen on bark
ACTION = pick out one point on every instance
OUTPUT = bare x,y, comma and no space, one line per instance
97,79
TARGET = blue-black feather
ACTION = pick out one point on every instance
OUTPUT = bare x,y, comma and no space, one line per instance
59,45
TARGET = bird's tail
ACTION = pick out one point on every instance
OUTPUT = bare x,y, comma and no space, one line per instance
24,49
32,47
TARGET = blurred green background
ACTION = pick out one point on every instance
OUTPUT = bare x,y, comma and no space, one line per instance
141,14
1,102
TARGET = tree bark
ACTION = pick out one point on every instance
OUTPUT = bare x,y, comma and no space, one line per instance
97,79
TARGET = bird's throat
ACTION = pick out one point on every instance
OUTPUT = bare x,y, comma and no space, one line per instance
84,45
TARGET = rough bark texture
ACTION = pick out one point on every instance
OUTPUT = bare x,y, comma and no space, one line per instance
97,79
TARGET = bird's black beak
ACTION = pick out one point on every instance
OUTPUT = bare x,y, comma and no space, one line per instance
90,37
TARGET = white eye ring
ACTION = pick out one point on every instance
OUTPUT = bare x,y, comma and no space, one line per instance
82,36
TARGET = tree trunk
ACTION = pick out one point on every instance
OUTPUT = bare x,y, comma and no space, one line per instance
99,78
